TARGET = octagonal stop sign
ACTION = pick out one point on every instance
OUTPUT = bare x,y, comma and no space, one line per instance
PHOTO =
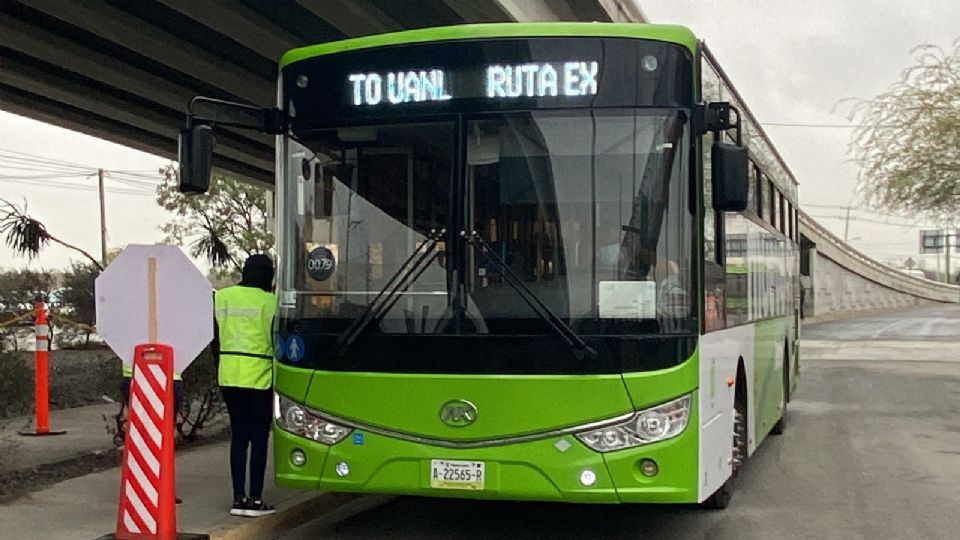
154,294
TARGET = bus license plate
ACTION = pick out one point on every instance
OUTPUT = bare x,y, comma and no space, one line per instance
446,474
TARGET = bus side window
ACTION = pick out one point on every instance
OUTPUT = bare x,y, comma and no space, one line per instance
771,199
714,279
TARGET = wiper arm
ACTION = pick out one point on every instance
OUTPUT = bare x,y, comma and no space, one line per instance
575,343
410,270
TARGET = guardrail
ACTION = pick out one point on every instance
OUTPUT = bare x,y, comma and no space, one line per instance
842,253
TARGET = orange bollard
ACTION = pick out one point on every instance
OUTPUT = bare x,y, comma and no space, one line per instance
42,348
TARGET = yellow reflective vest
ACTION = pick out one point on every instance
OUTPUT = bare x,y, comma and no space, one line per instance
245,327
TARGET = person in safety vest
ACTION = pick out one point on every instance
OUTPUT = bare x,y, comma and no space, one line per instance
244,348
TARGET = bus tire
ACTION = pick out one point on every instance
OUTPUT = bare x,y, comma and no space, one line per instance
721,498
781,424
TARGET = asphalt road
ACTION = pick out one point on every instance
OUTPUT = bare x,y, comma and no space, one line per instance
938,322
872,451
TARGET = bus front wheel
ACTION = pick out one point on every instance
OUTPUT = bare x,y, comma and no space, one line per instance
721,498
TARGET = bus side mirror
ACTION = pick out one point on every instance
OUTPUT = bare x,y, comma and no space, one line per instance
196,158
731,184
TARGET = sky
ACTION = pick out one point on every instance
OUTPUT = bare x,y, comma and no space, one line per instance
68,204
794,62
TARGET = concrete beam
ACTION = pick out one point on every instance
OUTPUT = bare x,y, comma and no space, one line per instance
351,17
624,10
131,33
56,51
476,11
240,23
535,10
71,94
869,270
48,111
574,10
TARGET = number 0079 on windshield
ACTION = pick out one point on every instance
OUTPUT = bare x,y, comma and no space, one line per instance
446,474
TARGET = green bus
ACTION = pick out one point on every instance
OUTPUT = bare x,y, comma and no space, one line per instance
502,266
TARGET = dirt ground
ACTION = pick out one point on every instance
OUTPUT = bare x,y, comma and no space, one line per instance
14,484
76,378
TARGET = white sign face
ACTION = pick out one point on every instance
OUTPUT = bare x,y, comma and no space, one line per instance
184,300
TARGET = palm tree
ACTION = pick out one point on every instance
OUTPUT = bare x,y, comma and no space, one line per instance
27,236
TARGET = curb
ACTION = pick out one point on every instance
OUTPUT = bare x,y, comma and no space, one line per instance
296,511
880,352
853,314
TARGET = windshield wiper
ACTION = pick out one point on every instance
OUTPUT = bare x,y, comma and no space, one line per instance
410,270
575,343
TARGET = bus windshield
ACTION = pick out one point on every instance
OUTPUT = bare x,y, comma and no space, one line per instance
589,209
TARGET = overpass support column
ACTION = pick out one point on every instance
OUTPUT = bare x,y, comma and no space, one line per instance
808,263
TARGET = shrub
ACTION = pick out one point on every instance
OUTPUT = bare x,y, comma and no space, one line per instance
16,386
202,403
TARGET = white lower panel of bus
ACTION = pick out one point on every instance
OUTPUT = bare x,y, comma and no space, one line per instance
719,352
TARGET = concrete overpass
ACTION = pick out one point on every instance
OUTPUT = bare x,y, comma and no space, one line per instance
123,70
841,281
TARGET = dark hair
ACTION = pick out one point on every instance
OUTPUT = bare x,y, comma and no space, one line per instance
258,272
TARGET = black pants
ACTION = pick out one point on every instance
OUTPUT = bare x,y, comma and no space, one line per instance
250,417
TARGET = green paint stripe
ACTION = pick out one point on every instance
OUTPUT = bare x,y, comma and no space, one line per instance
659,32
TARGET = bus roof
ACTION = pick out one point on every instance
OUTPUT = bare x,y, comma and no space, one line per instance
660,32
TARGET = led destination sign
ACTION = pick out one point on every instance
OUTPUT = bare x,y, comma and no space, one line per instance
401,87
421,80
500,81
540,80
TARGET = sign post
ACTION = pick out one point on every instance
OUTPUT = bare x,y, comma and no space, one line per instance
936,241
155,310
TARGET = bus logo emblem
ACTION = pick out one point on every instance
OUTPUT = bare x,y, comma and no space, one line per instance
458,413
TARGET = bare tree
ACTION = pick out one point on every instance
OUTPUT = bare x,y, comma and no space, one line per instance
27,236
908,139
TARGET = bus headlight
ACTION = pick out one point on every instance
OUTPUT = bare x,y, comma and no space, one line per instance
295,418
644,427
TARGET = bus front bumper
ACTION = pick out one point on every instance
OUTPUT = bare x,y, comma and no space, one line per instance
559,468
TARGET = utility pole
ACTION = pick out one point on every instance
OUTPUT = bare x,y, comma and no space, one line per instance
946,240
103,223
846,226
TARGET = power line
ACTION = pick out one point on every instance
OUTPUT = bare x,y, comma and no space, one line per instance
24,161
75,187
141,173
24,156
30,167
155,181
40,176
840,126
33,166
868,220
